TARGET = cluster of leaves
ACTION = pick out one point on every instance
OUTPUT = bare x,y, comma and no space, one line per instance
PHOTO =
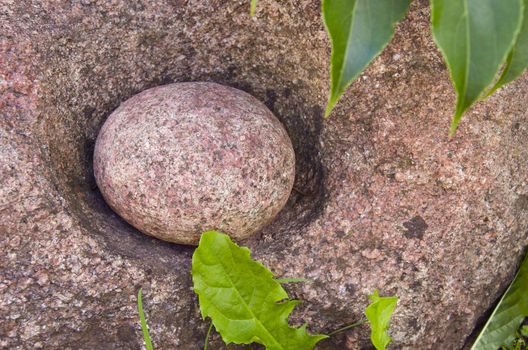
512,309
247,305
484,42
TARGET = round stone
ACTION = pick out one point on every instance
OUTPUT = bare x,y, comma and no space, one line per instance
180,159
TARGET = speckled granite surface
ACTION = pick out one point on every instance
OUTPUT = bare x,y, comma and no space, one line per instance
382,198
180,159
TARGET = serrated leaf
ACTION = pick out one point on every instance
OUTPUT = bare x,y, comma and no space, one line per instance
508,315
379,313
517,61
475,37
359,30
244,302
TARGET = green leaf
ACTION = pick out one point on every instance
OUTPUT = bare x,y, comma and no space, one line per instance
241,297
517,60
143,321
379,313
508,315
475,37
359,30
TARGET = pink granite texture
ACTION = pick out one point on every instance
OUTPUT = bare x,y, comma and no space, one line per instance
381,199
180,159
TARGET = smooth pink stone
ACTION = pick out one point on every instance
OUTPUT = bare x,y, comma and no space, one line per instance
179,159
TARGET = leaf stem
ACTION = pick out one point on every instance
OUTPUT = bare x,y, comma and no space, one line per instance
291,280
208,334
350,326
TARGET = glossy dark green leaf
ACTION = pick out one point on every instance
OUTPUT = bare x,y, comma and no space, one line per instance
475,37
359,30
517,61
508,315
